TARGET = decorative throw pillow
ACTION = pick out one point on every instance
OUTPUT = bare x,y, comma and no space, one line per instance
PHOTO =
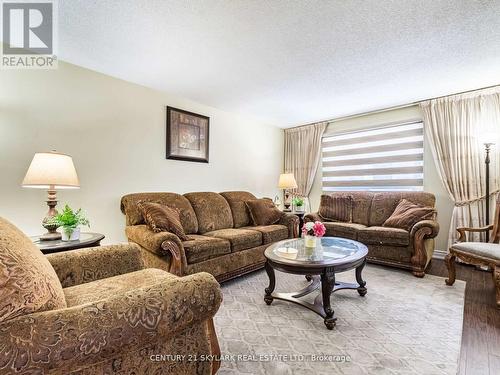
161,218
336,208
263,211
407,214
28,283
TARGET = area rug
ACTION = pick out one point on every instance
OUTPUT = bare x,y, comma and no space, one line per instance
404,325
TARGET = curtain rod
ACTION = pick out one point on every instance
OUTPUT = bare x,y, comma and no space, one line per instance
401,106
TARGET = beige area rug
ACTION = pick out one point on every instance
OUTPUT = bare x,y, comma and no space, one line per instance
404,325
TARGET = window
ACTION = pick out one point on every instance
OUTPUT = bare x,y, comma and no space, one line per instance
388,158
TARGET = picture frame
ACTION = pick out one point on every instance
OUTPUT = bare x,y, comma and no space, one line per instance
187,135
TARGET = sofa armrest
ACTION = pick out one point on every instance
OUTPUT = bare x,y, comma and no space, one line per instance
94,263
430,227
161,244
81,336
422,250
292,223
312,217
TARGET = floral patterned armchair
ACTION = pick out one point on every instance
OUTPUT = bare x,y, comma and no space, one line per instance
98,310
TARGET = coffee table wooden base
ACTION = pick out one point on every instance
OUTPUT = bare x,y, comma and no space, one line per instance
326,279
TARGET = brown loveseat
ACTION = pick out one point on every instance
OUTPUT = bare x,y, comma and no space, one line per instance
390,246
99,311
222,239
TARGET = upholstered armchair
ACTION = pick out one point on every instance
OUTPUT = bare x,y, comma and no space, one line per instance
485,254
98,311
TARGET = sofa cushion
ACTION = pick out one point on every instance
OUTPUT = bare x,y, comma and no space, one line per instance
384,236
212,211
263,212
236,200
101,289
384,204
161,218
344,230
28,283
407,214
483,249
336,208
240,239
271,233
199,248
134,216
361,204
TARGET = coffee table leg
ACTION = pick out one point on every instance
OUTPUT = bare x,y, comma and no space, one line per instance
327,284
359,279
272,284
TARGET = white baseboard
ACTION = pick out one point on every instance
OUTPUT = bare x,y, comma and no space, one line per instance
439,254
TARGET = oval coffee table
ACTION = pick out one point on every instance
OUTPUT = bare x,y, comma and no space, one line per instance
319,265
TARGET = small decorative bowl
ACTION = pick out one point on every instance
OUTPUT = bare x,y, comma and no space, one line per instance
287,252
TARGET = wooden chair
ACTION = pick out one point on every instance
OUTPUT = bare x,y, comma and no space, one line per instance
478,253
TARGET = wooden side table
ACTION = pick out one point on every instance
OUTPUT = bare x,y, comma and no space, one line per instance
57,246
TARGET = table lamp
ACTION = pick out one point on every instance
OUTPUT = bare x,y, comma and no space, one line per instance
51,171
287,182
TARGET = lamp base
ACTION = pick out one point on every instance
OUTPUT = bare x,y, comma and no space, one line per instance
48,221
50,236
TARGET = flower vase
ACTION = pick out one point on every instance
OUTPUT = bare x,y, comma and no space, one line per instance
310,241
70,235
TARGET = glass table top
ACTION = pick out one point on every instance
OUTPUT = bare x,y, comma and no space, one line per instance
328,251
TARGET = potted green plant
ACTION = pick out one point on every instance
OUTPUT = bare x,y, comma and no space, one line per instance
298,203
70,222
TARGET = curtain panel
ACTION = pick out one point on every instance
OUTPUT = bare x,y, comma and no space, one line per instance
457,127
302,153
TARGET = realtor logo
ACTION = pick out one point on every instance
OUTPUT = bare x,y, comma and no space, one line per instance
28,34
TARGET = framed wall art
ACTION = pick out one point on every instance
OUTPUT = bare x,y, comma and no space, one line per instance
187,135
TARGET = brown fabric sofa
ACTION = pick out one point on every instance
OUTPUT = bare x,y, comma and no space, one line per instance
389,246
99,311
222,239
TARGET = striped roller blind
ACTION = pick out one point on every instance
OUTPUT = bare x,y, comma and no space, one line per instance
382,159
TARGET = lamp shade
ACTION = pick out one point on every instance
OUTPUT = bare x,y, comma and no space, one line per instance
51,170
287,181
489,137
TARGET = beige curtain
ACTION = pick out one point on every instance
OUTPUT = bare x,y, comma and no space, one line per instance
302,153
457,127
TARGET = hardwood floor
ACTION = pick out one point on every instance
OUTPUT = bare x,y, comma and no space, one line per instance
480,353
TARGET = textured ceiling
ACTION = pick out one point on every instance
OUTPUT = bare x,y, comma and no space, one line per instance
289,62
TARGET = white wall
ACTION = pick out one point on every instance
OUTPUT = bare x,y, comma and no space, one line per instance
432,182
115,132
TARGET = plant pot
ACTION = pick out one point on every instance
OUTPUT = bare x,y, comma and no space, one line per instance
70,234
310,241
299,208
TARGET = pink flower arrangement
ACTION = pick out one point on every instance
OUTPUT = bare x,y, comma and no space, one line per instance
316,229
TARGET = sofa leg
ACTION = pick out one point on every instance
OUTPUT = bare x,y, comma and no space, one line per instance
418,273
496,280
419,259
